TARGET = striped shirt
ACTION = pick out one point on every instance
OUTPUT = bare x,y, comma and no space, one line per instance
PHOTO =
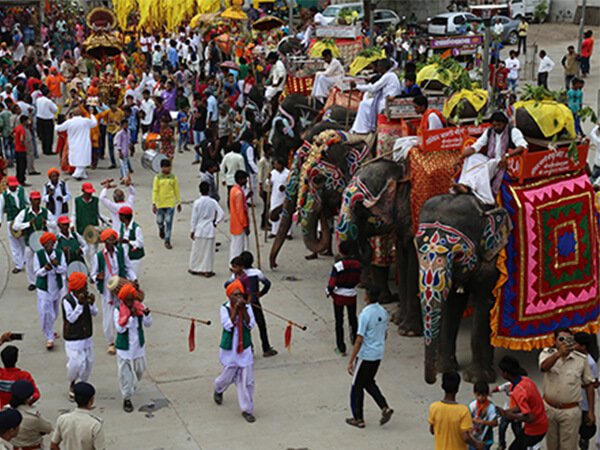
345,275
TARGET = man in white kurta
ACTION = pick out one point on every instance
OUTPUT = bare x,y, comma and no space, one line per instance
131,237
117,203
12,201
278,77
278,179
130,344
56,194
80,145
112,260
206,215
333,75
482,171
49,266
387,86
234,354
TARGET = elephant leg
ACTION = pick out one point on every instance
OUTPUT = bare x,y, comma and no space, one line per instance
453,310
380,278
412,323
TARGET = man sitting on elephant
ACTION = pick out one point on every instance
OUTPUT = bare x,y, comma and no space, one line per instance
277,78
387,86
330,77
482,172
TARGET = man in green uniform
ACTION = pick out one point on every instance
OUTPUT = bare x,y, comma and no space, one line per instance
13,201
86,211
132,238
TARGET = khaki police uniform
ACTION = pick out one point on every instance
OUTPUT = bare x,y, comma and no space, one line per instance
562,395
79,430
32,429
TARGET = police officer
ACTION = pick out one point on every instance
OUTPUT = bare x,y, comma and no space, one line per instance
34,426
79,429
10,419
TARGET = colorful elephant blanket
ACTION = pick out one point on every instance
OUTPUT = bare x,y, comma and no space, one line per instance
549,269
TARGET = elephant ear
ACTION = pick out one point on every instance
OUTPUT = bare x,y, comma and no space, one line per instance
382,205
496,233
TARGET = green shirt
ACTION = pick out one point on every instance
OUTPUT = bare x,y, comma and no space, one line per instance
5,122
86,213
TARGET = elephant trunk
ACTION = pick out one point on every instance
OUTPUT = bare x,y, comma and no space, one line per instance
312,241
284,226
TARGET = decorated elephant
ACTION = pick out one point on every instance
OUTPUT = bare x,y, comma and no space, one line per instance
457,244
290,45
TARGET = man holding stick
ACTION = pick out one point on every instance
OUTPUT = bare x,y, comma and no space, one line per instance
239,225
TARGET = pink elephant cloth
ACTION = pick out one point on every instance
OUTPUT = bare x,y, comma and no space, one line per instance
125,313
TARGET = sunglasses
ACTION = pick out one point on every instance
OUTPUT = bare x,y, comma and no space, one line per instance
564,338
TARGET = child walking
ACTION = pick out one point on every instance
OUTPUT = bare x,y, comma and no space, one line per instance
165,194
483,414
183,126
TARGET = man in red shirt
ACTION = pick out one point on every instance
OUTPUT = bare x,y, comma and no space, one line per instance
526,405
10,374
587,47
20,149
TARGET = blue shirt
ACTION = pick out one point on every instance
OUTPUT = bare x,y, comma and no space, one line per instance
211,109
372,325
182,121
575,100
173,57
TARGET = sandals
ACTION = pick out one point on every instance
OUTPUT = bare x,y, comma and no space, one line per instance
270,352
386,415
249,417
355,423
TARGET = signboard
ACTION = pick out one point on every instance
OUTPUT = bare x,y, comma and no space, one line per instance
399,108
338,31
456,41
450,138
545,163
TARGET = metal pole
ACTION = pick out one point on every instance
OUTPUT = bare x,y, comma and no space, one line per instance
535,52
371,24
581,25
291,14
486,53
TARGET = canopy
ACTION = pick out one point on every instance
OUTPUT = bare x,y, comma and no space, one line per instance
234,14
267,23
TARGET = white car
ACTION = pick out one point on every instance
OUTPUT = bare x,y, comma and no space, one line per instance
332,12
448,23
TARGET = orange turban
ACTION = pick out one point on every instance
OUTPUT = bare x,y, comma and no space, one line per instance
47,236
126,290
107,233
77,281
52,170
236,284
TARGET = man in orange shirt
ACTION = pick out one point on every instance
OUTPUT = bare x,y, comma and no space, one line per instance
239,224
53,82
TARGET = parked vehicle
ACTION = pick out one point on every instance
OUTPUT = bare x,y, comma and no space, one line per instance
383,18
448,23
332,12
510,35
524,8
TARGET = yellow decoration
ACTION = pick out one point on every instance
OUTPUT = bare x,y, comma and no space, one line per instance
123,8
478,98
432,72
550,116
362,61
208,6
317,49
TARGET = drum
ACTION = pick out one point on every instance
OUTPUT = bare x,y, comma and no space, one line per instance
77,266
34,240
15,233
91,235
151,160
115,283
151,141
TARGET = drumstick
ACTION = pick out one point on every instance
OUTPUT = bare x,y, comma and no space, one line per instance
177,316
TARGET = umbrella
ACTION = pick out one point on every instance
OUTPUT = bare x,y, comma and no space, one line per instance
267,23
230,65
234,13
101,45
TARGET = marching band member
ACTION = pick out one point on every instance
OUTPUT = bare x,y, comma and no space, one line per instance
49,267
111,261
13,201
30,219
56,194
70,243
86,211
117,202
78,309
132,238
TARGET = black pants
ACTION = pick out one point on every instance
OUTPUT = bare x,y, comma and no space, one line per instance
543,79
145,128
339,324
364,378
263,216
259,317
45,128
522,41
523,441
21,161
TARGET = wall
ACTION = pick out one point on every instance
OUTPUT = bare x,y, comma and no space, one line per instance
569,11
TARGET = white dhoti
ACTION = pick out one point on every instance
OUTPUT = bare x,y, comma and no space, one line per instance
90,254
402,146
80,172
29,254
275,225
136,265
130,373
79,363
17,248
108,311
203,255
363,115
321,87
243,377
239,243
48,304
477,173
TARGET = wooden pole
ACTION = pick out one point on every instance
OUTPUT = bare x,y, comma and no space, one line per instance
267,212
348,108
255,231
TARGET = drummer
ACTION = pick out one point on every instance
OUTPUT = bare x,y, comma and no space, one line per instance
71,244
117,202
56,194
86,212
34,218
111,261
131,238
12,201
49,266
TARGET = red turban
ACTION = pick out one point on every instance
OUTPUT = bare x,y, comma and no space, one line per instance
47,236
236,284
52,170
126,290
107,233
77,281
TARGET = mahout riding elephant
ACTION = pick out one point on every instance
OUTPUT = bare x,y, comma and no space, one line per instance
457,245
377,203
